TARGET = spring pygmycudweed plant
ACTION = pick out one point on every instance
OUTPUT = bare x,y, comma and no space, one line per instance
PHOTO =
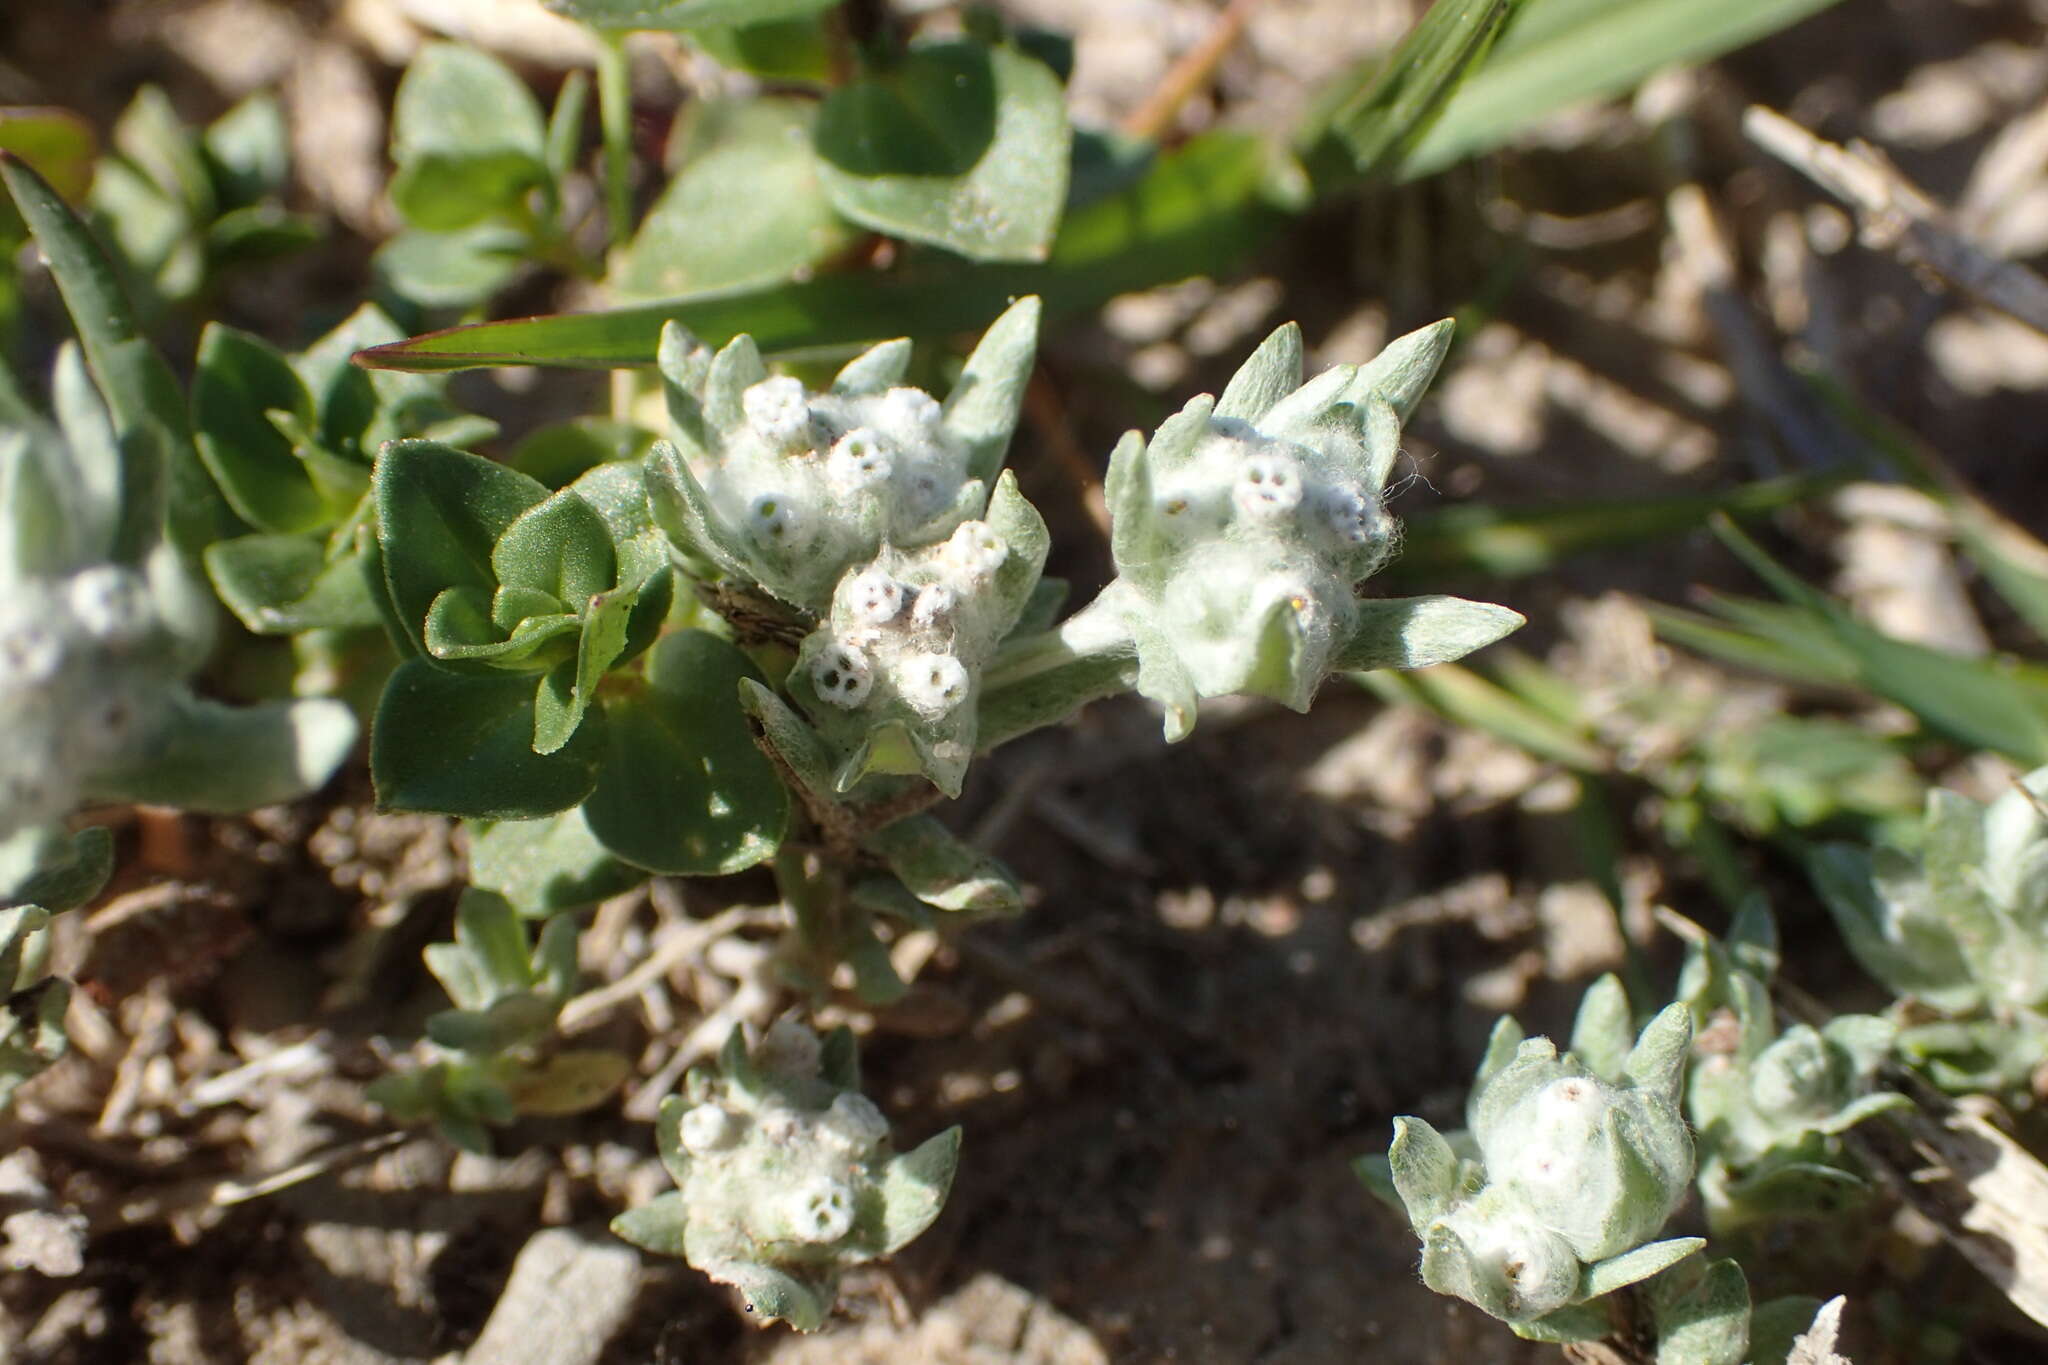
1958,929
785,1174
1769,1106
489,1059
1569,1168
810,610
103,619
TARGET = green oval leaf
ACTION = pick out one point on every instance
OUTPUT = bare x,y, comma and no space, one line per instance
542,866
700,235
240,379
281,585
959,145
468,138
462,745
683,790
440,513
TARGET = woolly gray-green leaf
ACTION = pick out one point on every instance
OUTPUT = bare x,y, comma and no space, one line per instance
1416,632
1604,1277
915,1187
282,751
1424,1170
981,411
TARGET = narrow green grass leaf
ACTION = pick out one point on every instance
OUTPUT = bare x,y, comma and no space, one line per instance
1380,125
1198,210
1561,52
1458,694
684,14
1514,542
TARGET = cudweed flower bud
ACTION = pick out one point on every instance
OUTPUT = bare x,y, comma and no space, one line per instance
780,521
785,1177
933,683
32,645
915,712
1961,926
859,461
1768,1107
708,1128
874,597
1242,529
780,414
975,552
1516,1269
842,675
1574,1174
111,605
868,463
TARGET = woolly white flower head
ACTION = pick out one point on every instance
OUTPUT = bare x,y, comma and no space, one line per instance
932,683
843,675
779,412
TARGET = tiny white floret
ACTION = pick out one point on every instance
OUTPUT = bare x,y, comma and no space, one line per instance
874,597
1352,517
933,683
842,675
821,1210
1268,487
934,606
975,551
859,460
779,413
31,651
909,410
779,520
709,1128
111,604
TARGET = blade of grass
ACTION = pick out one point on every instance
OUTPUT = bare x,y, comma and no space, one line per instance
1195,212
1562,52
1371,133
1462,696
1509,542
1995,704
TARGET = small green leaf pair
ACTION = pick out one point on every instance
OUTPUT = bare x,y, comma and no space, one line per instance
183,205
785,1175
493,574
537,686
42,873
291,441
478,179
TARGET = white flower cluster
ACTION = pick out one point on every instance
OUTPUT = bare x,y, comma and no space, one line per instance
75,686
827,478
1262,489
786,1161
914,623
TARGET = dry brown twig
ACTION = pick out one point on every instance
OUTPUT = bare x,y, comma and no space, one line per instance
1897,216
1152,119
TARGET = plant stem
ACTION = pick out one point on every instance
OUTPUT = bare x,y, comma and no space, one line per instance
1043,679
615,115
